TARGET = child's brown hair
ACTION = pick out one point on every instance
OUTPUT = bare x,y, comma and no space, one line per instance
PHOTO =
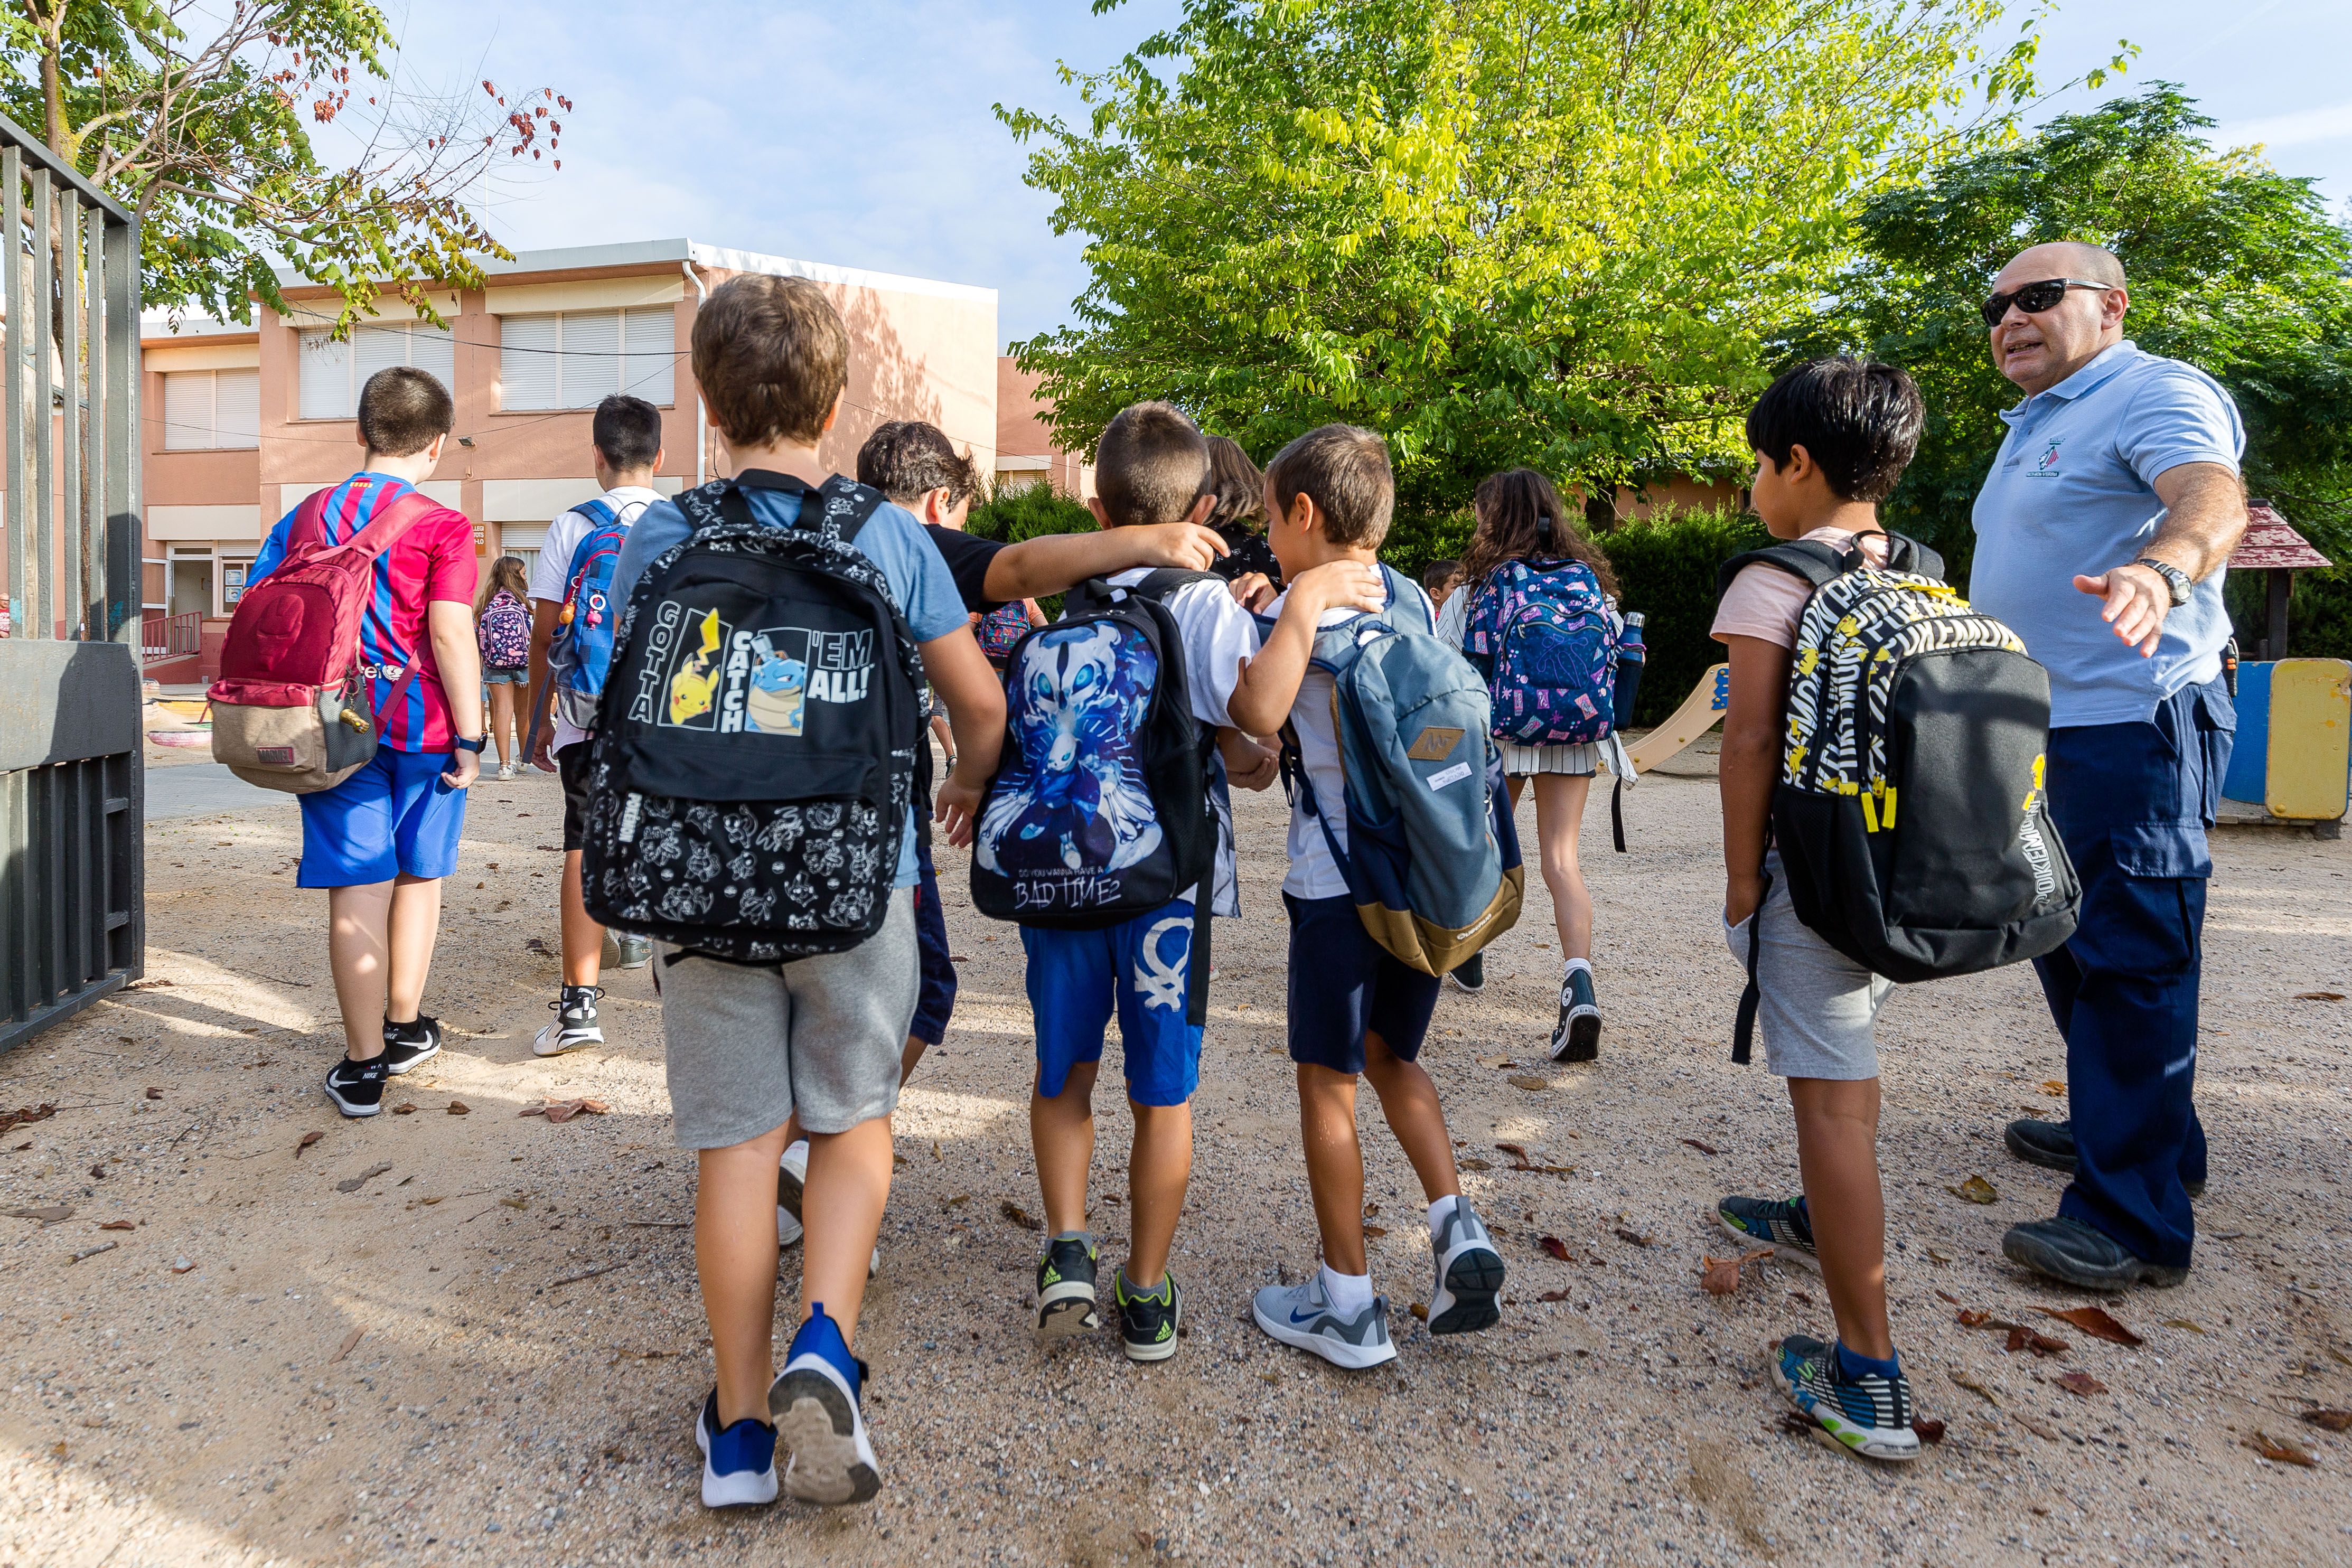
772,358
1344,469
1521,517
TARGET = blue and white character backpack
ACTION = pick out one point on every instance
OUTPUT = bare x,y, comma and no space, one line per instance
1544,637
581,652
1432,856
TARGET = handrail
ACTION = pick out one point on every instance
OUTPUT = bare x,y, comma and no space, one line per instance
34,148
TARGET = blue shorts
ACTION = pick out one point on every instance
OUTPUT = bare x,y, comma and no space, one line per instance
505,676
1144,967
936,1002
1344,984
392,818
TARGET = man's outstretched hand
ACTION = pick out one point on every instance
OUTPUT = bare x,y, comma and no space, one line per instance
2138,602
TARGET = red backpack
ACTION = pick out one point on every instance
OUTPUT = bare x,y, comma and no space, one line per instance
290,709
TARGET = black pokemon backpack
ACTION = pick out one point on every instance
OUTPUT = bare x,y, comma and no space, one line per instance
757,741
1909,814
1099,810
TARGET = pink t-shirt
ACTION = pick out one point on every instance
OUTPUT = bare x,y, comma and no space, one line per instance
1763,602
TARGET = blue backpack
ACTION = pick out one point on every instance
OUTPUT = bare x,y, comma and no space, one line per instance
582,649
1545,640
1432,856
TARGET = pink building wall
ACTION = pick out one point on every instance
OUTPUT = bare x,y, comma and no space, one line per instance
1026,451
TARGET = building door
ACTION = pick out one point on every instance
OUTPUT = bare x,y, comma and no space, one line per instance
192,580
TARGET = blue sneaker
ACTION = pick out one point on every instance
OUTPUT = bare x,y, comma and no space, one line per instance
739,1464
1780,1223
1870,1415
815,1406
1302,1315
1469,1275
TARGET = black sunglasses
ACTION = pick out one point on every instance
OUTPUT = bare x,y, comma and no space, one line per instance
2034,297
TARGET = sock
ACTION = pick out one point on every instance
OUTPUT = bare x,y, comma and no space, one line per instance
410,1033
1851,1366
1440,1211
798,1147
821,1336
1573,965
1158,1292
1348,1293
1085,1235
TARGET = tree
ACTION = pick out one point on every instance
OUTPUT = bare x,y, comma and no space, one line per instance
200,118
1497,231
2233,268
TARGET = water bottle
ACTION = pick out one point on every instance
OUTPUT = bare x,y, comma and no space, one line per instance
1631,655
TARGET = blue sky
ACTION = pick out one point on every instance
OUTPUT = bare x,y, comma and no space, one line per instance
862,135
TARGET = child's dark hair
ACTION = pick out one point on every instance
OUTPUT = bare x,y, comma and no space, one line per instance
1344,469
1150,465
1859,420
1438,576
1521,517
1235,482
402,409
627,431
907,459
772,358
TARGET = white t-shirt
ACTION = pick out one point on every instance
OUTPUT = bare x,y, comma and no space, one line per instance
551,573
1313,872
1220,636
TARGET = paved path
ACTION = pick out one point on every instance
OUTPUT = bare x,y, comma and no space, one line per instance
206,789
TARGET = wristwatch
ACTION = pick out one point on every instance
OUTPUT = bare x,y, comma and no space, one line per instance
473,745
2174,579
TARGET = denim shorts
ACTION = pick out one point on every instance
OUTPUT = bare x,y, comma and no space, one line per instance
501,675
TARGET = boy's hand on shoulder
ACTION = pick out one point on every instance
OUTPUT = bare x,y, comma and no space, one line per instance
958,809
1186,546
1253,590
1337,585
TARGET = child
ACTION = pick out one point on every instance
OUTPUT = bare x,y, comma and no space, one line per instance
1149,471
624,448
1354,1009
1238,490
1831,439
381,840
503,633
1439,578
1521,520
750,1048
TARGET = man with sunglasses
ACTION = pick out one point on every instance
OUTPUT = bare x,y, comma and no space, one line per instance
2101,535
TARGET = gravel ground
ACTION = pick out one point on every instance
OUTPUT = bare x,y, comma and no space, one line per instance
490,1349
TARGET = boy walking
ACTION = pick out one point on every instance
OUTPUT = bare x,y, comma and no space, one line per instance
626,448
381,841
1150,470
752,1047
1830,438
1356,1010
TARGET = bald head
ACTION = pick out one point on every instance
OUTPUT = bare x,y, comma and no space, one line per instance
2066,327
2062,259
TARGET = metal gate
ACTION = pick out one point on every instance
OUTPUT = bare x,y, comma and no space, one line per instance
72,785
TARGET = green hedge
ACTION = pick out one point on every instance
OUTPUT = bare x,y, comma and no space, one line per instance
1027,512
1665,566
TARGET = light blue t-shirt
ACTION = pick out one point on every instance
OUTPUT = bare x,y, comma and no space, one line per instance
2073,490
892,539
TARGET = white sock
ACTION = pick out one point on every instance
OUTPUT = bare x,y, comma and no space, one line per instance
1440,1211
1348,1293
799,1146
1573,965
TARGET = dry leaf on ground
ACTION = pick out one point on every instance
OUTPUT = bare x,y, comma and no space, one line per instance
1517,1151
351,1340
1472,1164
1975,1189
1530,1082
308,1139
2052,1086
2279,1450
1702,1149
2333,1420
405,1108
1376,1230
2094,1321
1020,1215
1421,1310
153,1092
1634,1237
2188,1323
2023,1338
117,1225
1979,1389
1553,1245
562,1111
2081,1382
1553,1296
1930,1430
2036,1427
49,1214
459,1108
361,1180
23,1114
1720,1276
2319,995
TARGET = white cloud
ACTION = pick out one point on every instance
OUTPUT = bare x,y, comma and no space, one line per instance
2332,123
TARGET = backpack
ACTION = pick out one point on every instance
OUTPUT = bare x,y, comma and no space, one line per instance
754,753
1909,812
505,633
1099,810
290,709
1432,855
1546,640
581,652
1000,630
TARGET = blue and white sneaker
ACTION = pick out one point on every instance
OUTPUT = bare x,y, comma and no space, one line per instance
1870,1415
738,1463
1469,1274
815,1406
1780,1223
1302,1315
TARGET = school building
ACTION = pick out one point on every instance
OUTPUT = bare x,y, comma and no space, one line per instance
242,422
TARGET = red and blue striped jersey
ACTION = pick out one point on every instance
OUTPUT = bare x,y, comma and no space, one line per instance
434,560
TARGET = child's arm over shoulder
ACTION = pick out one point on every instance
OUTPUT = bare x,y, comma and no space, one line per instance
1751,765
1268,684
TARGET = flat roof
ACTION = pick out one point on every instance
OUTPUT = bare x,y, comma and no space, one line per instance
671,253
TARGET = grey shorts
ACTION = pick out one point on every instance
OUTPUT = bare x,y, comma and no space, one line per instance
749,1046
1820,1007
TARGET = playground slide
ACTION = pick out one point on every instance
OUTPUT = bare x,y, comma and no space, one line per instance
1698,714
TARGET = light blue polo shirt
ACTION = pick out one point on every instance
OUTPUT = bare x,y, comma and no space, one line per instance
2073,491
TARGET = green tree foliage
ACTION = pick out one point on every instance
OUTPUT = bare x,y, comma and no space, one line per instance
200,118
2234,268
1497,231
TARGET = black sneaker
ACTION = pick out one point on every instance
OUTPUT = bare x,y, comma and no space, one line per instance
1470,974
1148,1322
1577,1035
1065,1289
575,1022
2051,1146
406,1044
2072,1252
357,1087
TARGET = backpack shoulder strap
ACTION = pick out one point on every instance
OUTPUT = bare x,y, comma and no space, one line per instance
384,530
1905,553
1397,586
843,505
599,513
1815,561
1163,583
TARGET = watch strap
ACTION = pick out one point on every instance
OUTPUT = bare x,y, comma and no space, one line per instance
2176,580
475,746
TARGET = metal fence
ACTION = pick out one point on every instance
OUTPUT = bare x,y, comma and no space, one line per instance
72,787
164,637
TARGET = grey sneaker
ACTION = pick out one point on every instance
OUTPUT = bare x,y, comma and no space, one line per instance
1302,1315
632,952
1469,1274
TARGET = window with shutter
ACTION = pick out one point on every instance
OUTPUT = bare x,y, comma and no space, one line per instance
650,371
187,411
592,363
332,373
236,408
326,377
531,361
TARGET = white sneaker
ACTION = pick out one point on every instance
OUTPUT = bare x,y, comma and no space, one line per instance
1302,1315
575,1023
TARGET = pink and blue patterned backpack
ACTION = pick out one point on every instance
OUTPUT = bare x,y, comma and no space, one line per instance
505,633
1543,635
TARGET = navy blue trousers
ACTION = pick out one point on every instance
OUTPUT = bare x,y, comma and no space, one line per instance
2133,802
936,1002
